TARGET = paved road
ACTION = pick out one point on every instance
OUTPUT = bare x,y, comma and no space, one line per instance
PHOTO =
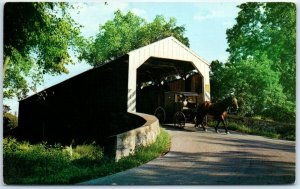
207,158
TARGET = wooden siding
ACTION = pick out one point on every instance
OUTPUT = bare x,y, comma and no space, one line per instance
169,48
80,107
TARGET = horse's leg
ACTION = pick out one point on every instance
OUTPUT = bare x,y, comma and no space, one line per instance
203,125
216,127
200,120
225,124
197,122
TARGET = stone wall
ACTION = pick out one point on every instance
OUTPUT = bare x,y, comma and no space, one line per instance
124,144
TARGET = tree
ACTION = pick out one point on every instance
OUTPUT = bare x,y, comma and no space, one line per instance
126,32
115,38
215,75
256,85
159,29
253,81
37,40
267,29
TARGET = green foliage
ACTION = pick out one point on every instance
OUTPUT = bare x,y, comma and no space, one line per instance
22,160
159,29
37,40
10,121
253,81
255,130
88,151
25,163
267,29
216,80
126,32
277,131
261,70
115,38
256,84
280,113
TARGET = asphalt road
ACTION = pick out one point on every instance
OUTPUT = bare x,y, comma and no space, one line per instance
207,158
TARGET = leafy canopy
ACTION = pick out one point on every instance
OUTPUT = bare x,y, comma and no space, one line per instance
267,29
126,32
38,38
261,69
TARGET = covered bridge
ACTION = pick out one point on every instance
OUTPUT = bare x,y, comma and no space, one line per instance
94,104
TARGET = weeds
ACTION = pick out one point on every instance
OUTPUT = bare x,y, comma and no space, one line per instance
25,163
277,132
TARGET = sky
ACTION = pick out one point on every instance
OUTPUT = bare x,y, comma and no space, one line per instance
205,23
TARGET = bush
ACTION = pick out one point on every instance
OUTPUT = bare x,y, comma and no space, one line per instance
10,121
255,130
280,113
260,127
21,160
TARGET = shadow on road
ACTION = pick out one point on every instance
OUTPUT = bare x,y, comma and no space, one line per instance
248,165
258,145
206,158
171,127
230,167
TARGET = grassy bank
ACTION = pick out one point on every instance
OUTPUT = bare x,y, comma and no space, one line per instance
276,131
44,164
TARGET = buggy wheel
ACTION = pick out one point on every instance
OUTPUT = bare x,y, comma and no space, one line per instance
160,114
179,119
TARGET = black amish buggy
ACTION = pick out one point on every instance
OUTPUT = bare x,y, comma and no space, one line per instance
174,107
180,107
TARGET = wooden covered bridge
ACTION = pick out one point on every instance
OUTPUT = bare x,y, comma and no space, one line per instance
91,104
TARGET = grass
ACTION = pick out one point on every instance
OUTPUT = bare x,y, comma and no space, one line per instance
277,132
25,163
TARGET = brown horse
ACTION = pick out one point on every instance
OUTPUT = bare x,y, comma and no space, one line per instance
217,110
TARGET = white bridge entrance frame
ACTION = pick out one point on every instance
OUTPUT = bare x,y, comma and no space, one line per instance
168,48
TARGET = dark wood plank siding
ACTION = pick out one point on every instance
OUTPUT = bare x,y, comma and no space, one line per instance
78,108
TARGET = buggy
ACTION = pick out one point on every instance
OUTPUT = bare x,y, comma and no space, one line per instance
177,107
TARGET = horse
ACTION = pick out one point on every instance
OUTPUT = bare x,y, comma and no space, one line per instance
217,110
